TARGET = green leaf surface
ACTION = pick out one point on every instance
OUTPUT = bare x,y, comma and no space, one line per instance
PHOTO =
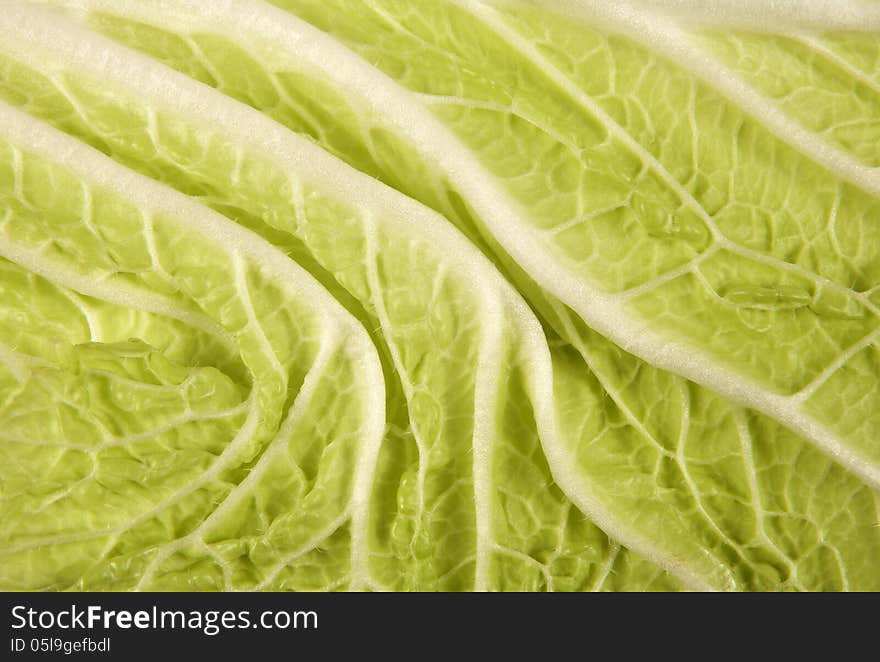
526,298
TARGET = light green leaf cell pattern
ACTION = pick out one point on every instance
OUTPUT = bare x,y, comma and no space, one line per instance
459,295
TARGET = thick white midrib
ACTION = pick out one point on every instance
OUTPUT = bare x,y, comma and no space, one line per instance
366,364
668,39
720,241
299,156
537,366
96,168
601,311
484,193
767,15
40,38
120,294
67,278
276,445
92,166
320,52
752,14
486,387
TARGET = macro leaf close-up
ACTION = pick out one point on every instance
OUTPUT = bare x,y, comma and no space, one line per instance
439,295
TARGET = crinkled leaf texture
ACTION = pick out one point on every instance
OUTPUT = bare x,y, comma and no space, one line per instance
439,295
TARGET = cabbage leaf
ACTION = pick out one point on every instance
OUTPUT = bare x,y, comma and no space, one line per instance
396,295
